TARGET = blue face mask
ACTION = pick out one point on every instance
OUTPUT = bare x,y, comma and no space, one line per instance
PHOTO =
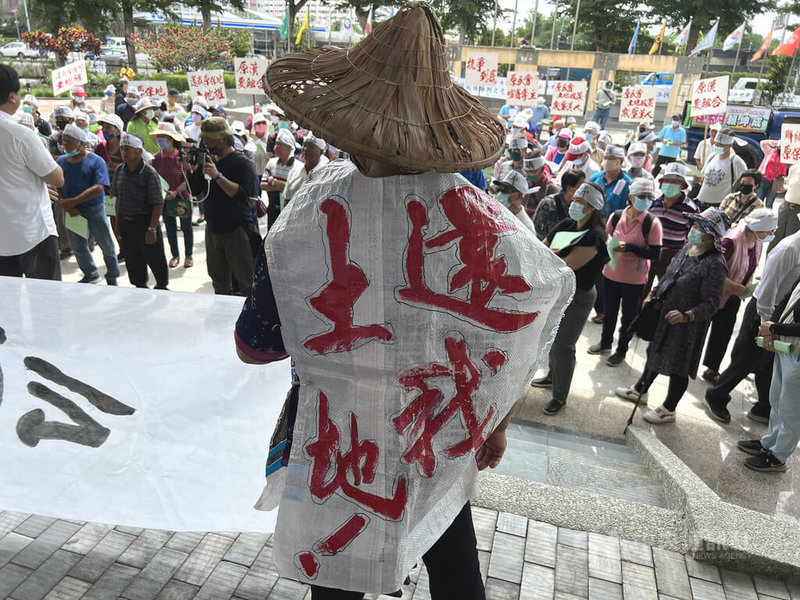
515,155
109,136
589,137
502,198
71,153
768,239
719,150
109,94
576,211
283,124
162,143
696,237
642,203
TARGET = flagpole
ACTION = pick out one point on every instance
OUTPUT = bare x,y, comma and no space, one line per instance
738,49
514,24
688,35
533,26
553,32
710,52
494,22
761,69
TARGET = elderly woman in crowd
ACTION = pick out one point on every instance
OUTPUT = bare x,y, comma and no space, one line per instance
690,293
109,150
555,208
511,188
580,241
558,150
742,247
143,123
313,158
273,181
636,237
539,180
771,168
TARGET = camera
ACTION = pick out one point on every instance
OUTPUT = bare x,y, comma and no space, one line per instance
196,157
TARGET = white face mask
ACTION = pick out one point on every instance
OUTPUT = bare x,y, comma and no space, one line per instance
503,198
637,162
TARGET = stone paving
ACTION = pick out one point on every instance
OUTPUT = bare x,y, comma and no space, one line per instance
521,559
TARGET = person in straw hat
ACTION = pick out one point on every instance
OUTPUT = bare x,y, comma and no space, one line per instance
400,291
143,123
167,164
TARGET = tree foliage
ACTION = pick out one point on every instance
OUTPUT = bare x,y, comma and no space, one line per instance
778,71
184,48
470,17
68,39
206,7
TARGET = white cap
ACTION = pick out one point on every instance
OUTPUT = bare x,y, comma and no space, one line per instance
259,118
532,164
30,99
80,115
520,122
594,197
76,132
62,111
516,180
675,170
196,108
318,142
642,185
518,142
238,128
615,152
201,100
114,120
591,126
285,137
25,119
761,219
130,140
724,139
637,148
110,88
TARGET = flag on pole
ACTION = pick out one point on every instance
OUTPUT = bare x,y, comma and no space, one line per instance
735,38
765,46
303,28
708,41
368,27
683,36
285,24
788,47
634,39
659,38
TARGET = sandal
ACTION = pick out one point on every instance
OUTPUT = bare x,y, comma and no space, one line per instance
189,262
173,262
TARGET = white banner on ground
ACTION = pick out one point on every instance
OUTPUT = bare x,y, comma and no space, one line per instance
710,96
64,78
130,407
210,84
637,104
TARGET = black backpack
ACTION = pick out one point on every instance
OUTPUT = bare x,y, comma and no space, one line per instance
646,225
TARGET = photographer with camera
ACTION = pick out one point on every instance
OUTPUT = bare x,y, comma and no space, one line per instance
225,180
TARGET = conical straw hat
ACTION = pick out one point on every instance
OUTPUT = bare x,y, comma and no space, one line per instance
389,98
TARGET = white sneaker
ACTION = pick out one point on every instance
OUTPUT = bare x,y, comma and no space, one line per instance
659,415
630,394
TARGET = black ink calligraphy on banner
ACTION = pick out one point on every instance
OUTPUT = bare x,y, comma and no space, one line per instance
32,426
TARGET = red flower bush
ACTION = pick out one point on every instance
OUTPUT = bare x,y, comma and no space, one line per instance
68,39
184,48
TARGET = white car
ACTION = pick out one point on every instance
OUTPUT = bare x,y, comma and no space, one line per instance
18,50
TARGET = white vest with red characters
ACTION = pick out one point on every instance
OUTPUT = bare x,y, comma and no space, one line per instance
417,310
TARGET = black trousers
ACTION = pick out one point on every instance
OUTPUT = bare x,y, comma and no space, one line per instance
746,357
662,160
630,296
722,326
139,256
452,563
677,387
40,262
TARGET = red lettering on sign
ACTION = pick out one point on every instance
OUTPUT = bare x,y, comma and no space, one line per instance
331,467
336,300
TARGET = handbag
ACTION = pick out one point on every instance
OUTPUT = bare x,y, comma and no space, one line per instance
261,208
646,322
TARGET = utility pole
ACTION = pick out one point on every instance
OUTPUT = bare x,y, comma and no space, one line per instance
494,22
514,24
27,19
553,32
535,15
575,25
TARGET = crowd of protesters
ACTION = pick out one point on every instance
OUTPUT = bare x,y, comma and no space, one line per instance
632,222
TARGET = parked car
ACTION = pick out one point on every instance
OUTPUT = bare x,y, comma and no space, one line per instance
744,89
113,56
18,50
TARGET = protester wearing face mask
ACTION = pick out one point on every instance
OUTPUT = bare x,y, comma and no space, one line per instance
578,158
743,200
77,96
63,116
649,139
167,164
742,247
126,110
721,171
673,140
690,291
273,181
192,132
30,105
637,243
539,181
555,129
108,102
613,180
539,114
591,133
144,123
279,121
511,188
82,121
637,155
257,144
555,208
556,153
109,150
83,194
604,99
673,209
517,146
580,241
634,135
228,210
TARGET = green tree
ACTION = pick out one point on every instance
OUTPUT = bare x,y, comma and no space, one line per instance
776,78
608,23
206,7
731,13
469,17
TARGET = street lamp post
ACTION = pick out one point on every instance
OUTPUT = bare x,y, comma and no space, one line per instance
553,32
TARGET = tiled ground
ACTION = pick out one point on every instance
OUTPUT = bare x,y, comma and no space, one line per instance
521,559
